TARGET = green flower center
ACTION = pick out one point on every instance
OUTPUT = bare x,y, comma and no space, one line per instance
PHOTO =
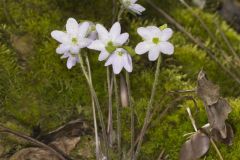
110,47
127,3
155,40
120,53
74,40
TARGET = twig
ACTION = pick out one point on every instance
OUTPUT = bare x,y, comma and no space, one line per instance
216,148
149,108
192,119
118,118
192,38
23,136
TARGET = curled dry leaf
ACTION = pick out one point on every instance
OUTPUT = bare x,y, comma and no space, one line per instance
217,114
195,147
217,136
206,90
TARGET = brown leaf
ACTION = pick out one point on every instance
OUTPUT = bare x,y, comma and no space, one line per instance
195,147
206,90
217,114
230,135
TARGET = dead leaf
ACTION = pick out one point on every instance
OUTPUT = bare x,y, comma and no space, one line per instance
230,135
217,114
195,147
206,90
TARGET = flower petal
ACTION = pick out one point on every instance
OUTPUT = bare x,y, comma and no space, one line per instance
62,48
84,42
137,8
72,27
143,47
166,48
121,39
97,45
102,33
166,34
75,49
115,30
83,29
71,62
60,36
154,53
117,64
155,31
103,55
127,62
109,60
144,33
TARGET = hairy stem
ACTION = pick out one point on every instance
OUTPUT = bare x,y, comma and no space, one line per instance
94,95
118,118
149,108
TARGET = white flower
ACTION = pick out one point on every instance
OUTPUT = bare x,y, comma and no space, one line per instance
155,42
73,39
72,59
120,59
91,33
132,6
107,42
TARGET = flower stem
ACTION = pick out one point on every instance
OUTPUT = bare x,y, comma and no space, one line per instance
132,116
149,108
118,118
94,113
216,148
94,95
120,13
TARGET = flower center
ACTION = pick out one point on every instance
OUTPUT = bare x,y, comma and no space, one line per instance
119,53
110,47
74,40
155,40
127,2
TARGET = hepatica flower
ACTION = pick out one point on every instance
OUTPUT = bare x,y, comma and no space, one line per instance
155,42
120,59
132,6
107,42
72,40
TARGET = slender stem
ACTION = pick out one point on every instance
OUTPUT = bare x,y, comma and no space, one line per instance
94,113
94,95
23,136
195,40
192,119
110,119
132,116
216,148
120,13
118,117
149,108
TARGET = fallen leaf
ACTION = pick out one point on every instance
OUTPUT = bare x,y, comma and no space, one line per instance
195,147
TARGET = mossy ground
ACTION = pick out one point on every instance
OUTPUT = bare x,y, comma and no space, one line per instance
36,88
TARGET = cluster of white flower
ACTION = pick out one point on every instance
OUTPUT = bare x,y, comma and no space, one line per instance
110,43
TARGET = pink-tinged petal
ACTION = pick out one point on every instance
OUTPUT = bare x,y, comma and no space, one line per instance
83,29
166,48
65,55
127,62
84,42
110,60
166,34
155,31
62,48
72,27
117,64
143,47
74,49
144,33
71,62
137,8
121,39
115,30
103,34
97,45
154,53
103,55
60,36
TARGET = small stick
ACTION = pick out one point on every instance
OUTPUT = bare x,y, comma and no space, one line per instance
216,148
